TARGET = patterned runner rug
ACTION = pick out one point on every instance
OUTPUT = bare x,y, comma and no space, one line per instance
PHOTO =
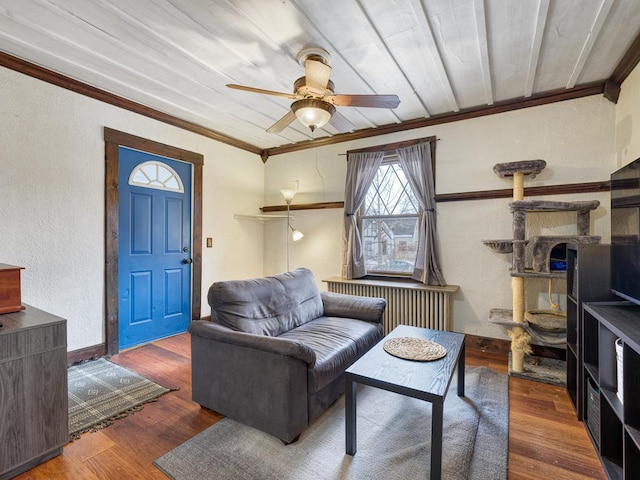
101,392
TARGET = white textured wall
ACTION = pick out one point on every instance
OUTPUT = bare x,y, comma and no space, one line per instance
576,138
52,199
628,120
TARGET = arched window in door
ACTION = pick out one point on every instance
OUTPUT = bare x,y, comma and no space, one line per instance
158,175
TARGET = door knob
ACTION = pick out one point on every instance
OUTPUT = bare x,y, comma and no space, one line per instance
187,261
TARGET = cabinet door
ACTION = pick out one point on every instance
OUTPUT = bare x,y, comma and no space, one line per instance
13,441
33,407
46,400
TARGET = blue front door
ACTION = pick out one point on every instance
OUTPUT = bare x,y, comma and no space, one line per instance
154,247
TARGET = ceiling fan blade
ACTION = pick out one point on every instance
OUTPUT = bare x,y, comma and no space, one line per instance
341,123
316,74
282,123
374,101
264,92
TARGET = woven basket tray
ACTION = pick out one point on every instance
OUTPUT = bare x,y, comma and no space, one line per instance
412,348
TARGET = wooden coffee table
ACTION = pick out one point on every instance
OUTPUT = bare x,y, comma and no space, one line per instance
427,381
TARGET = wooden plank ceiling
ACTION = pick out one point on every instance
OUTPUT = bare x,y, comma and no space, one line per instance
439,56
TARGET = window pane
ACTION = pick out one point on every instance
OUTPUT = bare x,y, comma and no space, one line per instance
153,174
390,244
172,184
390,193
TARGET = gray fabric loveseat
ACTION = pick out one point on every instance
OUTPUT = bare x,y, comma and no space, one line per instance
273,355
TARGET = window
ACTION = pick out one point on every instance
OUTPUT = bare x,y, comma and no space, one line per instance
158,175
389,222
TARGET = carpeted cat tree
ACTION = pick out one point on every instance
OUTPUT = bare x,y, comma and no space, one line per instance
546,327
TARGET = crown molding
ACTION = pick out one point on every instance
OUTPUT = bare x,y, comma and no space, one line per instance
595,88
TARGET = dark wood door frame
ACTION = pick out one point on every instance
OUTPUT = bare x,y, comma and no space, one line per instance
114,139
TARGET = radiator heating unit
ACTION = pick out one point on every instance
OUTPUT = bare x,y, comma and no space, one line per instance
408,303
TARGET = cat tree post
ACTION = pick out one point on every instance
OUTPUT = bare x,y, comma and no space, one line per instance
519,338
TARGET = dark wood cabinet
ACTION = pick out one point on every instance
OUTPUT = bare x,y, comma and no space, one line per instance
588,280
33,389
613,421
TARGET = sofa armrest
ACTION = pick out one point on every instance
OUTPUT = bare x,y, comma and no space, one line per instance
275,345
369,309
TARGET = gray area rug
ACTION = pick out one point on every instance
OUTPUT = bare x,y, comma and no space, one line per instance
393,440
101,392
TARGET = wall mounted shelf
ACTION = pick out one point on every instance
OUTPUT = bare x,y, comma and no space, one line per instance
302,206
260,217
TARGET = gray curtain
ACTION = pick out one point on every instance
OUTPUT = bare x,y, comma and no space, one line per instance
416,164
361,170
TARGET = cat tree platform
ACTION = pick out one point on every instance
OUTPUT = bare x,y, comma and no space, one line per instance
529,168
500,246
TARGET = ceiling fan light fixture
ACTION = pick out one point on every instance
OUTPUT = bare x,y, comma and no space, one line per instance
313,113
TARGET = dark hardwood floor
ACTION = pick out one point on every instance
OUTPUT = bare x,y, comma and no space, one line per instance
546,441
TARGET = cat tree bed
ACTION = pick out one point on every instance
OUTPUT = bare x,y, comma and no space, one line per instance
552,321
540,334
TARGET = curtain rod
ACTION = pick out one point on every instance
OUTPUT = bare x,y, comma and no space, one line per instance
392,146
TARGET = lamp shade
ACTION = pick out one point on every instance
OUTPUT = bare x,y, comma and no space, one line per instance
296,234
288,194
313,113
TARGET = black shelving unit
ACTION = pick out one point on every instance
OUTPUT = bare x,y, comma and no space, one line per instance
615,430
588,280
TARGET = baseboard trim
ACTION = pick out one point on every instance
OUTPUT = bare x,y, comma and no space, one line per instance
487,344
503,347
475,342
87,353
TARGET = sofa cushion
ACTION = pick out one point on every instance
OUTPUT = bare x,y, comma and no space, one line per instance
337,343
268,305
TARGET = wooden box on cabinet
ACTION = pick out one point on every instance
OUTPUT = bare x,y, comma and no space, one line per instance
10,298
33,389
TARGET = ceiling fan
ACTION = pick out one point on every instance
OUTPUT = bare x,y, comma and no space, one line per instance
315,101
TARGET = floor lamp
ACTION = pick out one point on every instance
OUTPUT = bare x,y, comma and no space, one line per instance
295,234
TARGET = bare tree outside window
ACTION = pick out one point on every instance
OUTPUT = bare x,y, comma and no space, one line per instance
390,223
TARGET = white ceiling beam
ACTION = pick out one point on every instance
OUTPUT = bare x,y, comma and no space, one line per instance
598,22
481,26
367,15
422,18
538,33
